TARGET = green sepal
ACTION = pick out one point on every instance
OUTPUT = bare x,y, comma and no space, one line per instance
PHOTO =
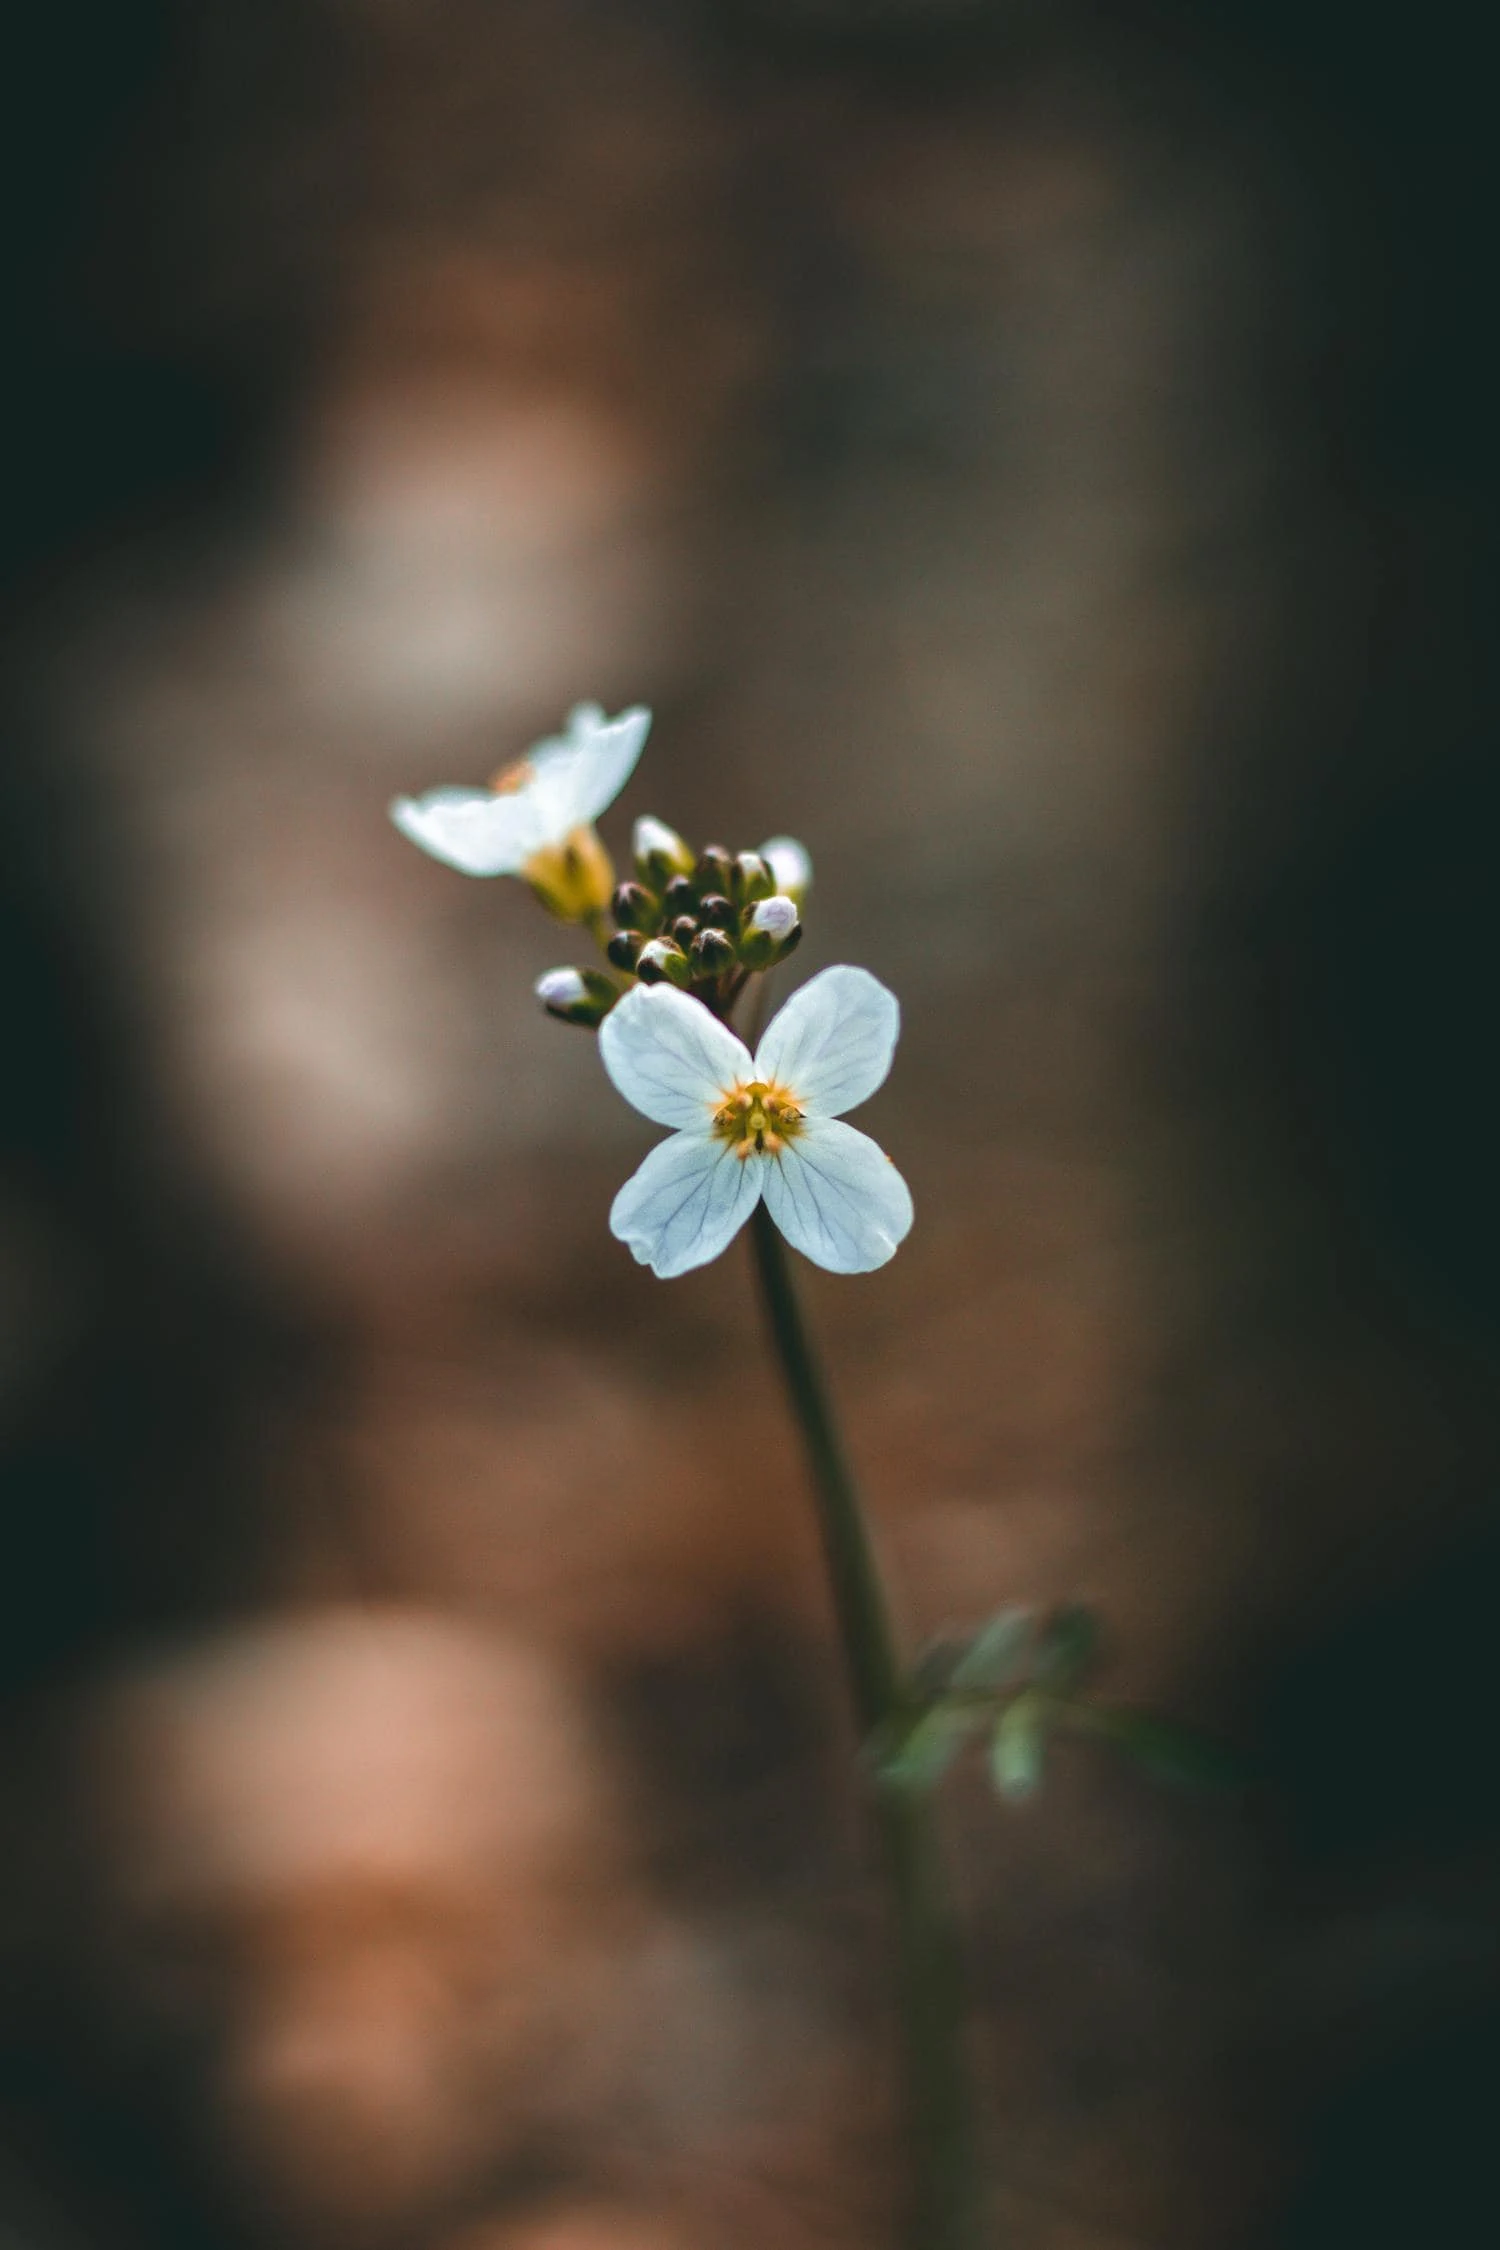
712,955
636,908
714,871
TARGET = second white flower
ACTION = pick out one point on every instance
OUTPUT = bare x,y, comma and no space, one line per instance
766,1125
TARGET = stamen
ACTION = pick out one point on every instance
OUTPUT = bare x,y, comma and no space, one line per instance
511,779
758,1119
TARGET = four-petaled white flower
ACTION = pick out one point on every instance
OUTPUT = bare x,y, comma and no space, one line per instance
535,807
767,1126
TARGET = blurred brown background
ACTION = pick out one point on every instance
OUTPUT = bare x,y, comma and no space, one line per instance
1041,455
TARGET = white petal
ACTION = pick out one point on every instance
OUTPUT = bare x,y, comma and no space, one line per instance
838,1198
833,1041
791,865
471,829
577,774
688,1200
669,1057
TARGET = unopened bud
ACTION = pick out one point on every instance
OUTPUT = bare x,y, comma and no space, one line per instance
712,954
750,879
714,870
581,996
660,853
680,897
771,930
684,930
624,949
791,864
662,962
636,908
716,912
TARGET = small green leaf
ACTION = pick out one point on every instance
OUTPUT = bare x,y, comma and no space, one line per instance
917,1753
1069,1644
994,1658
1168,1752
932,1673
1016,1747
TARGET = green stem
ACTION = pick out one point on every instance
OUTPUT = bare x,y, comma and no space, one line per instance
945,2202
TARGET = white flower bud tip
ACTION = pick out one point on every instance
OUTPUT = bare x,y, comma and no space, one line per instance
790,863
662,959
777,916
561,988
651,835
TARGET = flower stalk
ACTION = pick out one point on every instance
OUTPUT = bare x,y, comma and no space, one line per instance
945,2211
757,1137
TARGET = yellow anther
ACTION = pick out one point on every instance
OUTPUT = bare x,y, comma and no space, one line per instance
758,1119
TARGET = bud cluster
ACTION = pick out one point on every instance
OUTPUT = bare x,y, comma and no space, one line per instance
704,922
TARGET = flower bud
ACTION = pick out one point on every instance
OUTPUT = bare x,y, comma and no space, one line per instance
771,930
790,864
581,996
662,962
680,897
660,853
714,869
750,879
624,949
636,908
712,955
717,912
684,930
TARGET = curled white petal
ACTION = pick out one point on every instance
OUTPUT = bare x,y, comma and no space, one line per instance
560,988
838,1198
571,778
669,1057
777,916
471,829
833,1041
561,784
687,1201
790,864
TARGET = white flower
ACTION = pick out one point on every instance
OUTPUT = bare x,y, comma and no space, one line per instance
559,787
763,1127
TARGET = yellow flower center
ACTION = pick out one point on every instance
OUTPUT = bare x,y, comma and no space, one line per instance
758,1119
